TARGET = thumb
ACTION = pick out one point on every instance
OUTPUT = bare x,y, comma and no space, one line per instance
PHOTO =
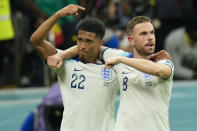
107,66
59,64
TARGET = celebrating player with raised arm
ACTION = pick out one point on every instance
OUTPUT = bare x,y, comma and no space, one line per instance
145,85
88,91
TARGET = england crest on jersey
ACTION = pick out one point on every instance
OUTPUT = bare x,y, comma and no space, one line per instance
106,74
146,76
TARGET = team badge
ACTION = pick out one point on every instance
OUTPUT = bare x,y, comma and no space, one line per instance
146,76
106,74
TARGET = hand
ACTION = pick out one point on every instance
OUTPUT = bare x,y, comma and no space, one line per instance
161,55
55,61
70,10
111,62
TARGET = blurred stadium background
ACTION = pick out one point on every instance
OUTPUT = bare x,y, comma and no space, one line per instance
25,78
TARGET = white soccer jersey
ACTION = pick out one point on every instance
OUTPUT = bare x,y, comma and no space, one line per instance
144,98
88,94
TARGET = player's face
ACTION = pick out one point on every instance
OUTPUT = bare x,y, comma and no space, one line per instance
88,46
143,39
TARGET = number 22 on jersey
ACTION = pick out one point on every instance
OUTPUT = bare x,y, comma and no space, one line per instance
77,81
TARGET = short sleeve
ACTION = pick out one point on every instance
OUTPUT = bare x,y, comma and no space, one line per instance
108,53
168,63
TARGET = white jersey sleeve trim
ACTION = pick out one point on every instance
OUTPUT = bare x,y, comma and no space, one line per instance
168,63
108,53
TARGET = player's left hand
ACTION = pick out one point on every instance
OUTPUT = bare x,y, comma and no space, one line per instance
161,55
111,62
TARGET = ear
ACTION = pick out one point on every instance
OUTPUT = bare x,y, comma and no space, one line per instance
130,39
101,42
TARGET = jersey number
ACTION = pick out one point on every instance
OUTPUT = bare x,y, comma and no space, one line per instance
124,84
75,84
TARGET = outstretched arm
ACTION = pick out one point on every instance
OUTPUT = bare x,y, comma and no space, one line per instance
146,66
55,61
42,46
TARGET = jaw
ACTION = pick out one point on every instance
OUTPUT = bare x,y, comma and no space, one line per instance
87,58
143,53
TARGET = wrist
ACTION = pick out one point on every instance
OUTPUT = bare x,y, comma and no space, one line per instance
62,55
57,15
119,59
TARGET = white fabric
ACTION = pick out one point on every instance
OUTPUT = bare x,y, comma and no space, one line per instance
88,94
144,99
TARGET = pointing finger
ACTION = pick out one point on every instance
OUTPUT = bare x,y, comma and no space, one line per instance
80,7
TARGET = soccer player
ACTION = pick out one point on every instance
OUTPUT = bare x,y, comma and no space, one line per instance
88,91
145,86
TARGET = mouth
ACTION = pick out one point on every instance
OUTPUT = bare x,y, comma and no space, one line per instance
150,45
83,51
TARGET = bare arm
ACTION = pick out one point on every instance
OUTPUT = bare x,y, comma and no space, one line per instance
55,61
38,39
146,66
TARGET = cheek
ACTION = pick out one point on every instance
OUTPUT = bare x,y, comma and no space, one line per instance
93,49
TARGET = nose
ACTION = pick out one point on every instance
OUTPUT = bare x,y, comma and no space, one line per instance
82,45
151,36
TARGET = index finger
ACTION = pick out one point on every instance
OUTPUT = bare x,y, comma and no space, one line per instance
80,7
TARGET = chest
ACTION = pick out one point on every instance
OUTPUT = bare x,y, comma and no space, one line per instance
88,77
135,79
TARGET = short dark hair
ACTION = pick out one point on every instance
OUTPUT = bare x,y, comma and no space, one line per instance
92,25
136,20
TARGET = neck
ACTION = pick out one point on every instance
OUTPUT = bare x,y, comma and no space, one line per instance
141,56
90,59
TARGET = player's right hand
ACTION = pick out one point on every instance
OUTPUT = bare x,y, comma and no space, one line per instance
70,10
55,61
109,62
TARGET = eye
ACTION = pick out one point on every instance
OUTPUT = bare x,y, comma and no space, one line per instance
88,41
152,32
143,33
79,40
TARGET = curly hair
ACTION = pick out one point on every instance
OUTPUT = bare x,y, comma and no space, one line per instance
92,25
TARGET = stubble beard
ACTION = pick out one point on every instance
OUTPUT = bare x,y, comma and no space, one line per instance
88,58
144,52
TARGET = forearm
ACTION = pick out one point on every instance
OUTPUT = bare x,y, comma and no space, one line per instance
56,60
69,53
41,33
146,66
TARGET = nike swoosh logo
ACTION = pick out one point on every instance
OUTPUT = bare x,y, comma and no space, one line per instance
125,72
78,69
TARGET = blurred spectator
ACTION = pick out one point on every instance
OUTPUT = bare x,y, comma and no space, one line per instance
181,44
114,35
48,115
167,16
11,43
106,11
131,8
6,39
